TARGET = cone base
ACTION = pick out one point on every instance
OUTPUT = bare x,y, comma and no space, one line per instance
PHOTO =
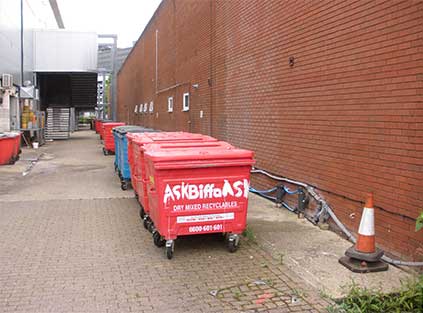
357,266
352,252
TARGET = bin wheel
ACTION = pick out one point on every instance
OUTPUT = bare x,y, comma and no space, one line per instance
145,221
124,185
151,227
105,152
158,240
170,247
233,243
142,213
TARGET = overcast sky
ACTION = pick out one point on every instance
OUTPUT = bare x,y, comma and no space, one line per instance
126,18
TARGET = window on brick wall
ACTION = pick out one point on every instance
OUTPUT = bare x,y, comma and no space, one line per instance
136,108
185,103
151,107
170,104
145,107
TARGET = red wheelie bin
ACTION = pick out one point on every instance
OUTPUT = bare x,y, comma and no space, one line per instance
99,126
132,159
9,147
197,189
108,139
138,142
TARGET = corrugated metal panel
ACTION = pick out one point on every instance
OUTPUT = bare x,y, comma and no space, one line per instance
105,58
65,51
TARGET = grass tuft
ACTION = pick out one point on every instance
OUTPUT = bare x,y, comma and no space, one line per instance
363,300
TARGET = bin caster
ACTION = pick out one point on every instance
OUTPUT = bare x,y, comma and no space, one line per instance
142,213
124,185
170,247
233,242
105,152
150,226
158,240
145,221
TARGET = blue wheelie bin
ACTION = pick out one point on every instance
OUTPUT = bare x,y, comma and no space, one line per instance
121,156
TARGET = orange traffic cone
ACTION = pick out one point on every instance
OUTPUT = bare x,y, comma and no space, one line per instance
364,257
366,231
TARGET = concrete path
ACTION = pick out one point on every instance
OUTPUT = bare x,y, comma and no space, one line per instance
72,241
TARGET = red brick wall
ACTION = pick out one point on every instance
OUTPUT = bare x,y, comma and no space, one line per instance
346,118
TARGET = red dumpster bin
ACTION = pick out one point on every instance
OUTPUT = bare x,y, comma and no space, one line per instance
108,139
99,126
9,147
131,159
197,189
138,141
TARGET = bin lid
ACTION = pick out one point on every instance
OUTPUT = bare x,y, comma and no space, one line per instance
113,124
197,155
132,129
163,137
4,135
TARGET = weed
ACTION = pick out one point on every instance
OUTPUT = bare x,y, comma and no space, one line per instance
298,293
323,294
249,234
237,295
363,300
419,222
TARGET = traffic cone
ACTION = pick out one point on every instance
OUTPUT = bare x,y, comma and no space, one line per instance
366,231
364,257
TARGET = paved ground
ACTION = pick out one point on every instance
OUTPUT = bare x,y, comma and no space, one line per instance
312,253
72,242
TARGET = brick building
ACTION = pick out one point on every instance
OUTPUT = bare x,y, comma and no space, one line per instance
325,92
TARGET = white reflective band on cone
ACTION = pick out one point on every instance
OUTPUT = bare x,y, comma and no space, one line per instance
367,223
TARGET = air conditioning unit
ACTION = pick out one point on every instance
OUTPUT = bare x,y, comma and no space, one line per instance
7,81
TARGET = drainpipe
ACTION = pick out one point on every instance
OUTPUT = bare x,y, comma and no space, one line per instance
157,59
